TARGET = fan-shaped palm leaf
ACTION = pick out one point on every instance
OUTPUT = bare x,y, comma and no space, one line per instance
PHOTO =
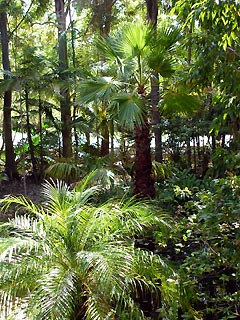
64,170
167,36
162,63
110,48
135,40
128,108
98,89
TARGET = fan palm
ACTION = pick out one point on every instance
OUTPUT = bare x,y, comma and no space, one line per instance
134,53
70,260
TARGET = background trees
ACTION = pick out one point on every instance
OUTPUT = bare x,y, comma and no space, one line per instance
10,165
87,76
209,71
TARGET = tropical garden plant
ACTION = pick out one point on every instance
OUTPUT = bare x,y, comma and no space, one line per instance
133,53
205,244
68,259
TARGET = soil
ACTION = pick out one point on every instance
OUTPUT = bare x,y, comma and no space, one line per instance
29,189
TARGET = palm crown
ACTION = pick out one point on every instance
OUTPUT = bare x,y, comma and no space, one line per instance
133,54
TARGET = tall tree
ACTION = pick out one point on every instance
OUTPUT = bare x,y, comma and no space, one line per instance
10,166
65,104
102,15
136,52
152,15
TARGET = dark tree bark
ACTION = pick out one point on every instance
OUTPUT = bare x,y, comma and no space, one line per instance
10,166
152,14
30,142
152,11
143,182
40,112
102,15
65,104
143,179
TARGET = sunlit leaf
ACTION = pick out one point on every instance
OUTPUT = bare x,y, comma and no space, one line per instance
129,109
179,103
97,89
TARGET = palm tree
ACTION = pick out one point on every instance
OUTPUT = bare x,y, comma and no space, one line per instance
134,53
70,260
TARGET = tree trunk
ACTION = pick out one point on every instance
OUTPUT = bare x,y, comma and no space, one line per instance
143,182
30,142
152,11
105,139
40,111
152,14
64,92
156,118
189,153
10,165
103,16
104,131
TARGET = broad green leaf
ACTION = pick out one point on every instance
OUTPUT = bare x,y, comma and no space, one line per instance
179,103
110,48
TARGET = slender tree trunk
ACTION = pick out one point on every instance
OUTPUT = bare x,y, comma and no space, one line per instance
194,156
65,105
112,136
156,118
235,128
40,111
102,22
30,142
74,79
213,142
104,132
189,153
10,166
144,181
104,14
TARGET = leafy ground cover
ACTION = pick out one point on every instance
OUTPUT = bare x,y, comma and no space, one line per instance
175,257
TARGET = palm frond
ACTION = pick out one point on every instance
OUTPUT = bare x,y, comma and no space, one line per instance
97,89
135,39
57,193
167,36
98,307
55,294
162,63
9,84
110,48
21,202
74,259
63,170
129,109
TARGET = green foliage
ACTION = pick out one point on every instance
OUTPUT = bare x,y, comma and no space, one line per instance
205,245
70,259
180,187
225,162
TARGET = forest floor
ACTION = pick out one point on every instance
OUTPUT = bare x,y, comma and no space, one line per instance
30,190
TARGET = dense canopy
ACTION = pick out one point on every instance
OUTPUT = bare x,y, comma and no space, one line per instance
142,97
